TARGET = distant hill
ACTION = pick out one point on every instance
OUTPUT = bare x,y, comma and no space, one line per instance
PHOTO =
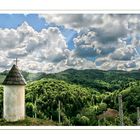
98,79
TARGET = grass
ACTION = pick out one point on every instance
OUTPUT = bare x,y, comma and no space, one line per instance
28,122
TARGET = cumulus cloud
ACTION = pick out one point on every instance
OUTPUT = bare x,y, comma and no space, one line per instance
125,53
44,51
131,64
32,47
87,44
113,42
75,21
78,21
117,65
103,41
4,63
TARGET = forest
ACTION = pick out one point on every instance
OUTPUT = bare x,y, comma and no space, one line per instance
86,97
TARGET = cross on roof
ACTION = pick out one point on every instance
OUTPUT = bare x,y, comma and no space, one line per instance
16,61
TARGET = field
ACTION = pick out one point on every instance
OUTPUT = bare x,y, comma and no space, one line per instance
28,122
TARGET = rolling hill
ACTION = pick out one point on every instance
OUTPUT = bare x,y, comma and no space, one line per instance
84,95
102,81
98,79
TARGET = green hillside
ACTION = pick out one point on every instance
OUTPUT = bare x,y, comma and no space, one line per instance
98,79
102,81
85,97
79,105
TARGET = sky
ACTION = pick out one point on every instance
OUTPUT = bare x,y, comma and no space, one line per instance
55,42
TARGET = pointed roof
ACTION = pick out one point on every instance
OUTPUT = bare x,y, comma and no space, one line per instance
14,77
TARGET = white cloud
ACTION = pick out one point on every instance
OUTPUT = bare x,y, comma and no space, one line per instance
125,53
34,49
75,21
44,51
102,42
87,44
78,21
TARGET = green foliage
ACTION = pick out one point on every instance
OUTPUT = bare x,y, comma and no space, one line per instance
131,97
82,120
102,81
47,93
116,121
84,96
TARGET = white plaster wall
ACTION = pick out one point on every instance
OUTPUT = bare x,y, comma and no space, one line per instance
14,102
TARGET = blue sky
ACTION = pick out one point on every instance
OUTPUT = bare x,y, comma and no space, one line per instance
15,20
55,42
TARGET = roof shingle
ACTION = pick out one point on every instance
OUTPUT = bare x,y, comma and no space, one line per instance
14,77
